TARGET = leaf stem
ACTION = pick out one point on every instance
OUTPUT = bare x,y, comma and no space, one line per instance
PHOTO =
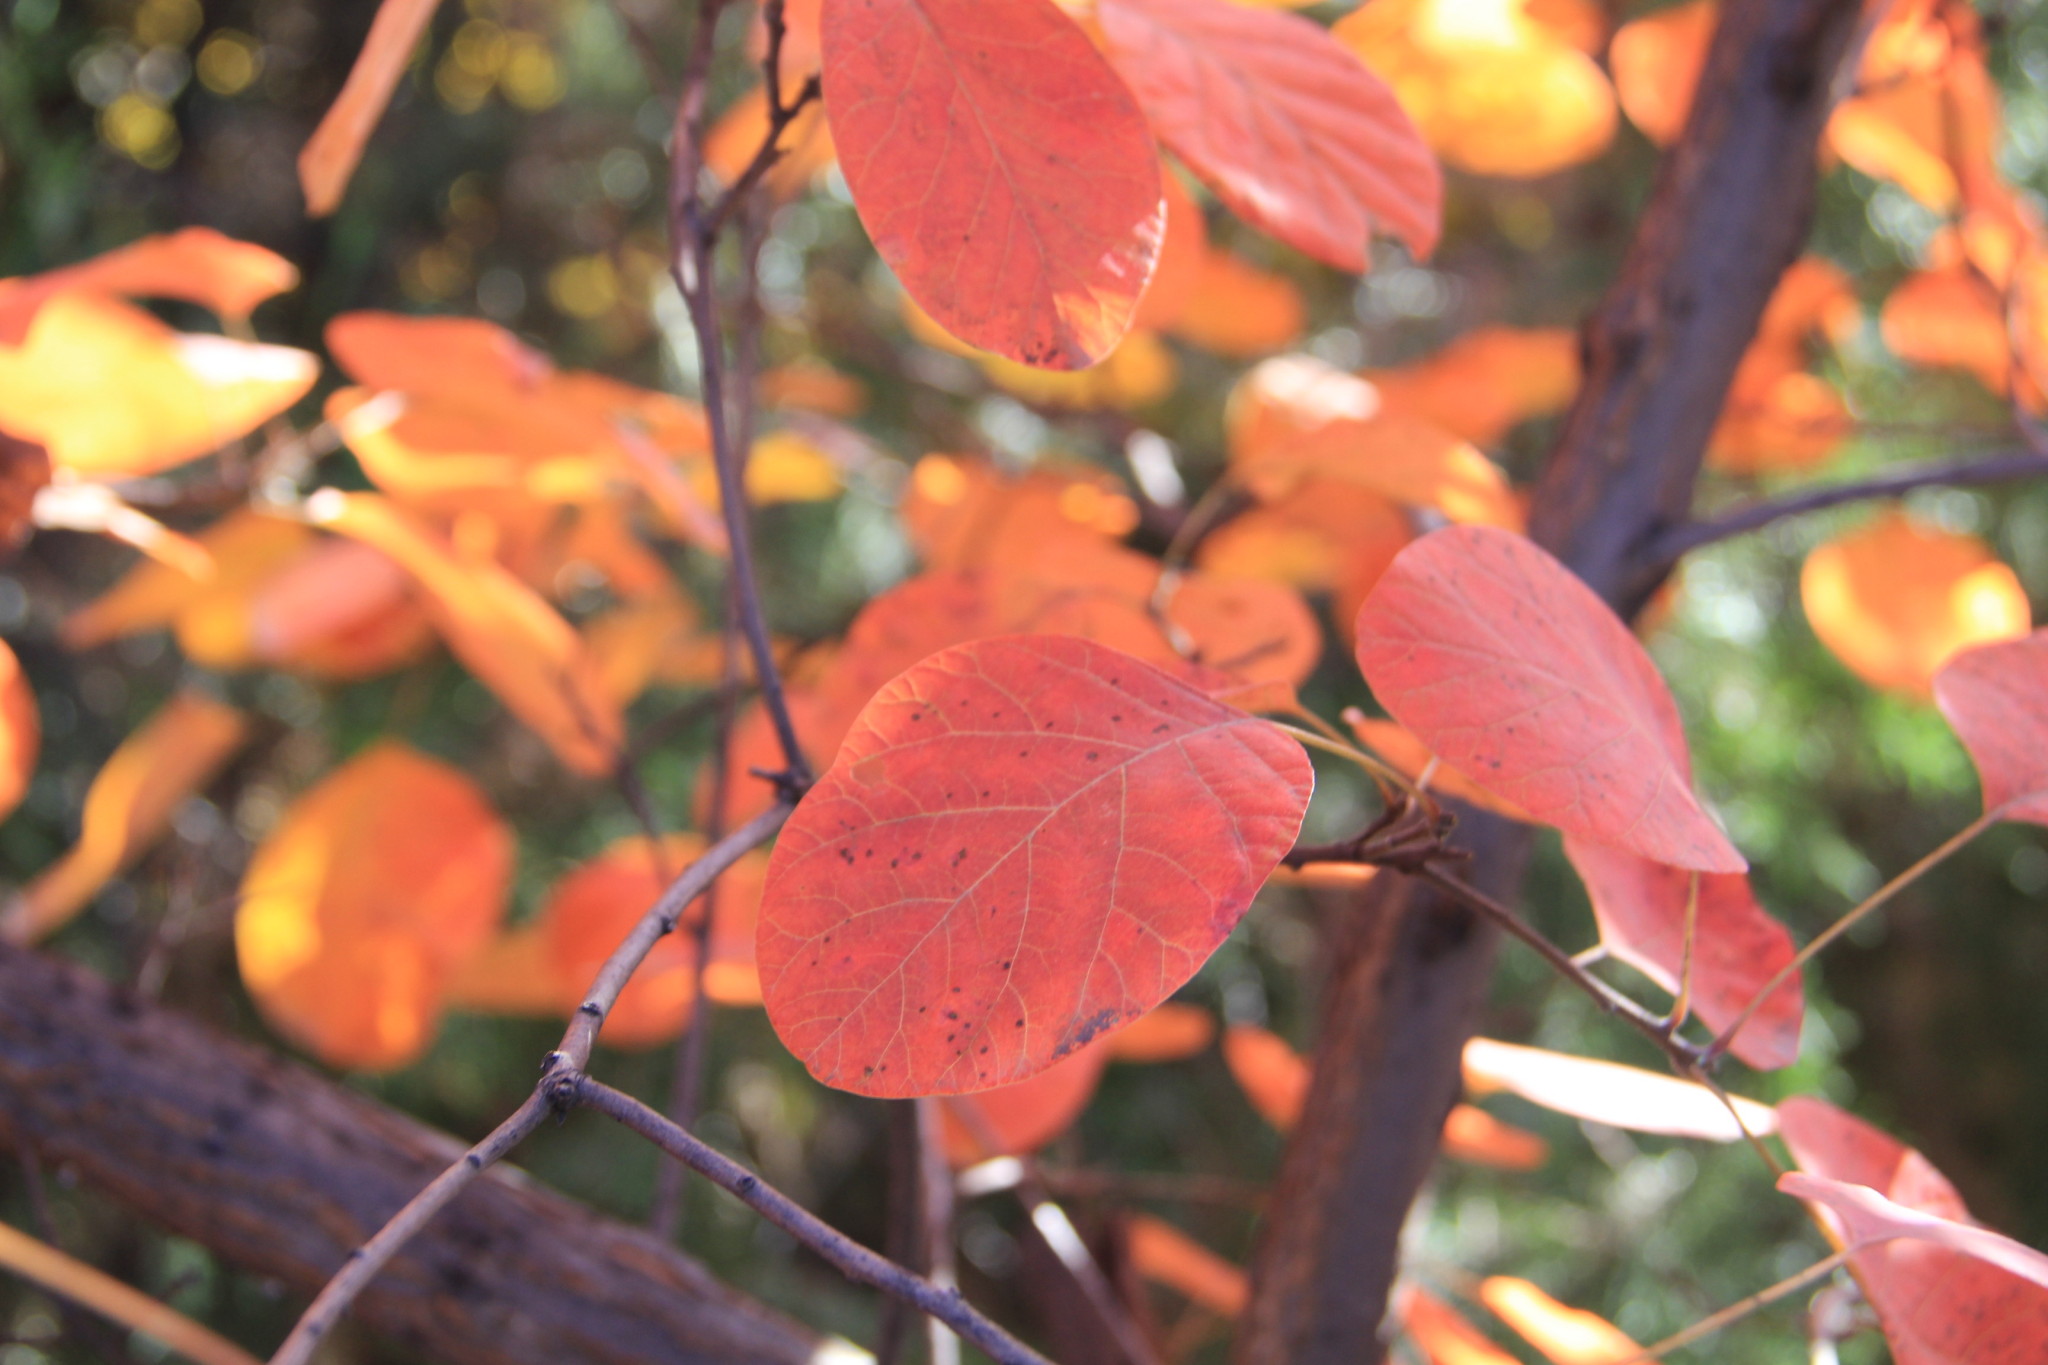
1847,922
69,1278
1735,1312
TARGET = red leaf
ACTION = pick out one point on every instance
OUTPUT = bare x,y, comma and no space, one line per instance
1001,167
1995,698
1282,121
1024,842
1938,1306
1499,659
1737,947
1872,1218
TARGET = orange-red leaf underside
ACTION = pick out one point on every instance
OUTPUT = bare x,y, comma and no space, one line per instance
1500,660
1284,123
1001,167
1024,842
1996,697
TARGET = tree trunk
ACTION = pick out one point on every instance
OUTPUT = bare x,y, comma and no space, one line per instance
1730,210
283,1173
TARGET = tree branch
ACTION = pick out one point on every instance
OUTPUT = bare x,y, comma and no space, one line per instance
1975,472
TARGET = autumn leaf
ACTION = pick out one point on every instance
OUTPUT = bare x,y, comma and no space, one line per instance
1609,1093
947,910
1165,1255
1412,758
1324,533
1565,1336
359,906
21,734
1444,1334
1471,1134
1996,698
195,265
1272,1074
963,513
1237,310
176,752
1494,90
806,145
1499,659
1657,61
1182,252
1014,1120
1951,317
1738,948
1487,381
1281,122
1003,170
514,642
113,393
24,473
1169,1033
1870,1182
330,155
1295,418
1895,599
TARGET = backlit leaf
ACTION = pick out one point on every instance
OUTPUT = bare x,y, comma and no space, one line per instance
358,908
1493,89
1894,600
176,752
1023,843
1499,659
1951,317
1014,1120
21,732
1165,1255
1487,382
1609,1093
1296,418
1325,533
1292,133
195,264
1996,698
1237,310
1413,758
515,643
1869,1217
1737,948
114,393
1938,1305
330,155
1656,62
1181,254
591,910
1167,1034
1272,1074
1443,1333
1565,1336
1471,1134
1001,167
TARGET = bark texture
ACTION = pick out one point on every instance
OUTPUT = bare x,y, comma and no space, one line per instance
282,1172
1731,209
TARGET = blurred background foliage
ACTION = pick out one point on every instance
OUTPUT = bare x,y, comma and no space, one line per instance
519,177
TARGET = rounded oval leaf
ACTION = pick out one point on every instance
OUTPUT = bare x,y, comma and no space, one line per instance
1284,123
1996,698
1500,660
1024,842
1002,168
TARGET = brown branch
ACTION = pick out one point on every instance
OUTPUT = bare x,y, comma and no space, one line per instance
1666,550
572,1088
280,1171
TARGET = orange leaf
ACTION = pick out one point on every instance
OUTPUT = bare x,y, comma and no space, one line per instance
359,907
21,732
1164,1254
1412,757
591,910
1167,1034
1272,1075
1994,696
1324,533
114,393
128,808
806,145
1657,61
1444,1335
1013,1120
1950,318
997,928
514,642
1938,1304
1281,121
1487,381
1737,948
1567,1336
197,265
24,474
330,155
1295,418
1238,310
812,386
342,610
1181,255
961,512
1499,659
240,549
1606,1092
1472,1134
1895,599
1001,167
1493,90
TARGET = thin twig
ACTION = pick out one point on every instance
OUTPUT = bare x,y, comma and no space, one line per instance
1735,1312
571,1087
1669,547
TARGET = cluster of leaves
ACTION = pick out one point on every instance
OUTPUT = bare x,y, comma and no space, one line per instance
1054,795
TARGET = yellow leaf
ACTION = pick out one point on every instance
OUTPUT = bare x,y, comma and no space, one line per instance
129,806
360,906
